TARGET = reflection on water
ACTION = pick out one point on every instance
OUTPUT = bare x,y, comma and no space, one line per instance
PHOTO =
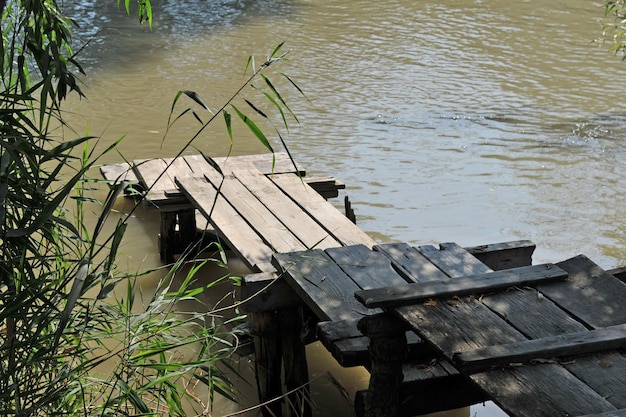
472,121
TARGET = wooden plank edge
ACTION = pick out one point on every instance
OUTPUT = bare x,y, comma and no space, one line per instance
266,291
350,347
431,395
414,293
612,413
564,345
327,187
282,163
504,255
619,273
116,173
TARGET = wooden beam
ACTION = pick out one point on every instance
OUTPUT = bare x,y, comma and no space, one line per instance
616,413
568,344
474,284
266,291
435,394
349,346
504,255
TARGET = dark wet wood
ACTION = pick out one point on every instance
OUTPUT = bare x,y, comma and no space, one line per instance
350,347
547,348
327,187
469,325
505,255
266,291
327,277
616,413
404,294
388,351
267,348
594,296
411,264
321,284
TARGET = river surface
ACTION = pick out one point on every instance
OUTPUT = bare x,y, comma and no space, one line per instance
467,121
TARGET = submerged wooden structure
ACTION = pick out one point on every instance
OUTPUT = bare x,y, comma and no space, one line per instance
438,328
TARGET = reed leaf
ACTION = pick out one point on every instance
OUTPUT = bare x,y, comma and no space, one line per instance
254,129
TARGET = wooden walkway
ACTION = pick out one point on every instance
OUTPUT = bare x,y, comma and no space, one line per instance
539,341
264,204
258,205
437,327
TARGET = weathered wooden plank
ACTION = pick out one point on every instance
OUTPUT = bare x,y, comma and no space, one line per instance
198,164
454,260
267,163
321,284
428,388
596,300
265,292
161,195
298,222
537,317
591,294
509,389
269,228
118,173
238,234
531,313
152,174
544,390
569,344
153,179
451,327
448,325
410,263
604,372
477,284
504,255
366,268
346,232
619,273
262,162
468,324
612,413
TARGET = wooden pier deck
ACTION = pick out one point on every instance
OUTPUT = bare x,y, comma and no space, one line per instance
542,340
253,211
465,339
258,205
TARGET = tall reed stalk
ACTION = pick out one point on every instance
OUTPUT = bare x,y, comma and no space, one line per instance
65,307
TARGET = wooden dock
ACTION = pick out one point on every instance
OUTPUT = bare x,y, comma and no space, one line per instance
257,205
434,326
542,340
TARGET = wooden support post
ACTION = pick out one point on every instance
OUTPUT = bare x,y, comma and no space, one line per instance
278,335
294,361
178,231
349,210
167,237
186,229
267,348
388,350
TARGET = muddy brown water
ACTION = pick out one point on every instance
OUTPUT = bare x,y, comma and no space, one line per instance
468,121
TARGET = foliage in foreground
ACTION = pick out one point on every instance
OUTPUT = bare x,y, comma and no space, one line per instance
614,32
66,310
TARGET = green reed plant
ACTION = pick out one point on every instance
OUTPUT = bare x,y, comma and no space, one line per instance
614,31
66,309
